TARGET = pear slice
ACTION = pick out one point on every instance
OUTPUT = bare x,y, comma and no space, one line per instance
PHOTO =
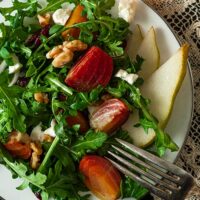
134,42
150,52
161,88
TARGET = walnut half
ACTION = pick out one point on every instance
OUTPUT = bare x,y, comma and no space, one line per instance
35,157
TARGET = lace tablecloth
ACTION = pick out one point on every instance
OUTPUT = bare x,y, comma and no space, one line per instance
184,18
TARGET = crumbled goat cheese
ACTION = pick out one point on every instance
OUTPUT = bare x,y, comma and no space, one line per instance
37,133
16,67
124,75
61,16
127,9
50,131
124,9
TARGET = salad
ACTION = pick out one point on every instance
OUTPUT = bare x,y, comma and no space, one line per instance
67,85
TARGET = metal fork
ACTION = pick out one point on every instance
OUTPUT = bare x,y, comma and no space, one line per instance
160,177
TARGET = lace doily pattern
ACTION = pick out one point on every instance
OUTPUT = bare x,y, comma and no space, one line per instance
184,18
167,7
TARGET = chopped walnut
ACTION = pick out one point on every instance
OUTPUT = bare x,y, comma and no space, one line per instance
47,138
41,97
44,19
35,161
63,58
63,54
20,137
75,45
35,157
36,147
54,52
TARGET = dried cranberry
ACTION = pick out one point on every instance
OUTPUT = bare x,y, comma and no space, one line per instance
37,42
35,38
62,97
23,81
45,30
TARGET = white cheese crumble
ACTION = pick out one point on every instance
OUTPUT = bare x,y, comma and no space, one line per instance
61,16
16,67
37,133
2,66
125,9
50,131
124,75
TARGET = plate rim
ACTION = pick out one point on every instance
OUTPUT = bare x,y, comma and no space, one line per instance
190,75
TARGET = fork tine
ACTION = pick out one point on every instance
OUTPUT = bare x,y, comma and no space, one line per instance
149,186
154,159
149,167
142,172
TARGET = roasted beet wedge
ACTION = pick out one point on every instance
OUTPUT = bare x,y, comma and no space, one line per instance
75,18
78,119
109,116
101,177
93,69
17,149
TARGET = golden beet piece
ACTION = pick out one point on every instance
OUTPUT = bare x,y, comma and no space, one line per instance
75,18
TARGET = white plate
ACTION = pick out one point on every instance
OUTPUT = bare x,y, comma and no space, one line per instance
179,123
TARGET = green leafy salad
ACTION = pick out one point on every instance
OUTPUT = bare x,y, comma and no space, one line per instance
61,103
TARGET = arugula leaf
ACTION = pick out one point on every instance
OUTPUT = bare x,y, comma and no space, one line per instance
36,179
62,153
120,134
6,55
30,5
130,188
3,30
6,125
9,102
59,184
115,48
55,82
82,99
96,8
55,29
25,50
62,182
109,33
35,63
137,64
49,153
90,142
